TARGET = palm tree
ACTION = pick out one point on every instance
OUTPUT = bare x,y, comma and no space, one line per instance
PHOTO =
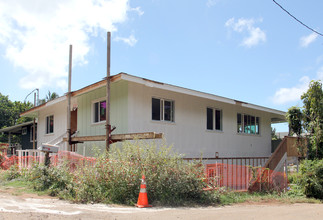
49,96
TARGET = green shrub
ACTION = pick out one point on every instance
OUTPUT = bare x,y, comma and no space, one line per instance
295,186
312,178
56,180
116,177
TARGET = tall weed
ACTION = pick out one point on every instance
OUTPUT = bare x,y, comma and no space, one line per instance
116,177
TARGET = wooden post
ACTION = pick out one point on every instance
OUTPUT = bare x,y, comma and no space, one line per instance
34,135
108,125
47,159
69,100
9,138
34,125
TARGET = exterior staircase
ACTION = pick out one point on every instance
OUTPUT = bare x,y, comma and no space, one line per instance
277,159
272,176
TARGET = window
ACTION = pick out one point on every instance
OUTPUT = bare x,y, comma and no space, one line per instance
213,119
50,124
99,109
247,124
24,131
32,132
162,110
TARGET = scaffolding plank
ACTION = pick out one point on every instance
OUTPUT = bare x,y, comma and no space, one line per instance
119,137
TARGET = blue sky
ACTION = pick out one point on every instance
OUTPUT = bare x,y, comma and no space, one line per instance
246,50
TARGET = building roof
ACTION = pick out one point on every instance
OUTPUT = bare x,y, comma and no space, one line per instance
16,129
278,116
33,111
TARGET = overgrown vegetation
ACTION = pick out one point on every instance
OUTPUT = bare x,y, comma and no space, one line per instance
116,178
311,172
170,180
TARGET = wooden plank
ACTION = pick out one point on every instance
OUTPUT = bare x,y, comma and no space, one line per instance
134,136
119,137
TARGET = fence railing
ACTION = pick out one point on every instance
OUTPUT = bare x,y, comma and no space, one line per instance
277,155
242,161
26,158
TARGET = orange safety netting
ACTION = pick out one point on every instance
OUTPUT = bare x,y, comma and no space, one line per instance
7,162
74,159
244,178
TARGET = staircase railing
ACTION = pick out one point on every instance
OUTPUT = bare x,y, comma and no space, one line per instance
277,155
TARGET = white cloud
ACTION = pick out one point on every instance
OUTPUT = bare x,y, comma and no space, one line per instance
307,40
255,34
36,34
138,10
211,3
131,40
286,95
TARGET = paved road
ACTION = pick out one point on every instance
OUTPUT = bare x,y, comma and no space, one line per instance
24,207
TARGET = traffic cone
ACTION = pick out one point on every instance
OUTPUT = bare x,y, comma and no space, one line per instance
143,198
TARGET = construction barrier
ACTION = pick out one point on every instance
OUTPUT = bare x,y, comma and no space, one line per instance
244,178
231,176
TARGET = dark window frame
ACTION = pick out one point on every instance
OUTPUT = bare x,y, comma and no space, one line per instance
162,109
31,134
50,124
99,112
214,119
248,124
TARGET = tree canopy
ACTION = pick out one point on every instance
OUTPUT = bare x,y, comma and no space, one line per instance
309,118
294,117
313,117
10,113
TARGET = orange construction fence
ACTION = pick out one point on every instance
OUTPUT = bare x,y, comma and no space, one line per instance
244,178
231,176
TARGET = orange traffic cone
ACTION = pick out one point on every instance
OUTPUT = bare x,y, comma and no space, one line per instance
143,199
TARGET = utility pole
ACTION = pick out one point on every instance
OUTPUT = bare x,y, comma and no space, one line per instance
108,125
69,101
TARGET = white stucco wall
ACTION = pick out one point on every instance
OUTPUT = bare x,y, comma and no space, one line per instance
131,112
188,134
59,110
85,124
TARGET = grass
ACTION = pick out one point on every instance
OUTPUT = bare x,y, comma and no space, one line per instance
228,198
18,186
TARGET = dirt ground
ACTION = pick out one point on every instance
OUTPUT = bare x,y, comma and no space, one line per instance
31,206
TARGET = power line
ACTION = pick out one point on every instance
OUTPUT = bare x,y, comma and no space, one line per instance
297,19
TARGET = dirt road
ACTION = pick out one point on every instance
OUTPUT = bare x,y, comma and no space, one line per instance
35,207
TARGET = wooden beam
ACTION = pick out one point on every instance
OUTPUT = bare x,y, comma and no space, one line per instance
119,137
135,136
